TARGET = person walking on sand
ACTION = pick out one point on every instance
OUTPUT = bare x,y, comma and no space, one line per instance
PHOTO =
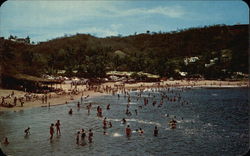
51,131
58,130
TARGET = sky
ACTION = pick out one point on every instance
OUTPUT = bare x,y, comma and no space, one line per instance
43,20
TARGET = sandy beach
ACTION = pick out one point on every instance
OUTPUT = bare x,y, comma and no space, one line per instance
55,99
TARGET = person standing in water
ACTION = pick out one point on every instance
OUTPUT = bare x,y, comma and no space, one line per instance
78,105
77,137
90,137
156,131
128,131
124,121
27,131
51,131
6,141
70,111
105,123
58,131
108,107
83,142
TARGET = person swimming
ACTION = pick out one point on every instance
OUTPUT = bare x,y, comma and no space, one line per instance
124,121
140,131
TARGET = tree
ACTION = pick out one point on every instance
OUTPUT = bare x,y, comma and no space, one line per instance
27,39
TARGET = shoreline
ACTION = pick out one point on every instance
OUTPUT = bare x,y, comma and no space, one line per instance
55,99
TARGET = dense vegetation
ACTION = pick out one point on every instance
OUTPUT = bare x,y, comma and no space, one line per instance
223,48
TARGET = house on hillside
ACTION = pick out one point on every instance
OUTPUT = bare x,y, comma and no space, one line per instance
191,60
20,40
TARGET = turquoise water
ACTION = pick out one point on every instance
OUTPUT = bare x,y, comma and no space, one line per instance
213,122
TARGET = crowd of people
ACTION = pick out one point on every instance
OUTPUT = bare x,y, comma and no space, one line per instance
83,137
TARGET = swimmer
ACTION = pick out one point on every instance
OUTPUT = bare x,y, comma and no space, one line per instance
124,121
78,104
27,131
156,131
141,131
105,133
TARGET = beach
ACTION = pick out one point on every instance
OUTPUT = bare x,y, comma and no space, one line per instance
57,99
209,120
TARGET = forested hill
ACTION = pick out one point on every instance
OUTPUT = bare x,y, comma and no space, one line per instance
213,52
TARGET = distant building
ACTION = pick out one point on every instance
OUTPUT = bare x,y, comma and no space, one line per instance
190,60
20,40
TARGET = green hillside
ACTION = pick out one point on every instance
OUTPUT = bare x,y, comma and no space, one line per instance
221,51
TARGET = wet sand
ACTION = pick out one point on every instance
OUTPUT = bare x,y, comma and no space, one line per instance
61,99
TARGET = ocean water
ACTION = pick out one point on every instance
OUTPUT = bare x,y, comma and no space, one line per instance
213,122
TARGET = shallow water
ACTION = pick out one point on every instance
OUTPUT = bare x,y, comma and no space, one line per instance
215,122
